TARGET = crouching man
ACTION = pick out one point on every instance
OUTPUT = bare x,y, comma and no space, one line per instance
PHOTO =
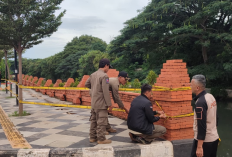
141,118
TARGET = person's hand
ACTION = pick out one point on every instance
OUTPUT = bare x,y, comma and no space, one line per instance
163,116
127,112
160,112
199,152
110,109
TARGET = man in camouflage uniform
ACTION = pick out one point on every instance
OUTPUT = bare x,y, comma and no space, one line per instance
100,102
114,87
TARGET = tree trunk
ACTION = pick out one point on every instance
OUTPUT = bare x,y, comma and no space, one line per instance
204,54
8,71
20,82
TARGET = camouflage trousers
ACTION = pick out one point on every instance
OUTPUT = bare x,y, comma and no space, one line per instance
99,121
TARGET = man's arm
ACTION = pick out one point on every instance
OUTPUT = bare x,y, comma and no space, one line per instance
88,83
149,113
201,114
116,96
105,89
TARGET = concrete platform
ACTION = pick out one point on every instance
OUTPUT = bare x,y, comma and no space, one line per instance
51,131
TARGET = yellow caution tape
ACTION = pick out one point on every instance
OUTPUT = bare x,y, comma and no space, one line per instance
178,116
64,105
13,93
156,88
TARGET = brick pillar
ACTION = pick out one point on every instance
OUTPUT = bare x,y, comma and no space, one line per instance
57,83
173,75
39,83
113,73
83,80
68,83
33,81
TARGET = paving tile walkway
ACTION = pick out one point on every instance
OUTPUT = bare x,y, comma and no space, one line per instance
52,127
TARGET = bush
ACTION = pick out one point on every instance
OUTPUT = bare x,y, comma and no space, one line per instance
151,78
136,83
31,79
51,85
74,84
61,84
36,81
219,92
43,83
127,85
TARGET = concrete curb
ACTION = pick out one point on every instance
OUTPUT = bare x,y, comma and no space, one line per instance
159,148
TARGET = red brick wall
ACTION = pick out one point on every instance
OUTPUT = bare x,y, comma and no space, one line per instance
173,75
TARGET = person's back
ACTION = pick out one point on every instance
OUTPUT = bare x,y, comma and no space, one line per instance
96,91
98,83
137,119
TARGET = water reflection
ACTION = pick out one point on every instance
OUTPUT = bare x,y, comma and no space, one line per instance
225,129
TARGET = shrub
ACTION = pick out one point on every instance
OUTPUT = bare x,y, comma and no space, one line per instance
136,83
43,83
74,84
36,81
151,78
51,85
127,85
61,84
32,79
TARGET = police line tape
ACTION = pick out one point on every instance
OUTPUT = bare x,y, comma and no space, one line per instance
64,105
156,88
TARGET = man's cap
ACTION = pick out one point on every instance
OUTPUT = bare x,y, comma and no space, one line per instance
123,74
105,61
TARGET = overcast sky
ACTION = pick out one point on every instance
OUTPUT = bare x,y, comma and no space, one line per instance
99,18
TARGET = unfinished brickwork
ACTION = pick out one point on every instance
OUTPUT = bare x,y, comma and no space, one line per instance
33,81
174,75
51,92
83,80
39,84
28,81
25,79
47,84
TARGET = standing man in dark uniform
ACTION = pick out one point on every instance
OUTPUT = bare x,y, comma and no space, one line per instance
206,137
100,102
114,87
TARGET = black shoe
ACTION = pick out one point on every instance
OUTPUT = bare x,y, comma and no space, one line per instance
142,140
133,137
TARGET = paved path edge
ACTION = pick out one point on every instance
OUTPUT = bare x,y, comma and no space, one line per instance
159,148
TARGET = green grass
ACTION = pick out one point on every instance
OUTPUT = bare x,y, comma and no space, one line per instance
16,114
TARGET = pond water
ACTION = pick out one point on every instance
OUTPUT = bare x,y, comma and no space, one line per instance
225,129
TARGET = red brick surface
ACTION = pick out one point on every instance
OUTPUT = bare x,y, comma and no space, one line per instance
83,80
38,84
174,75
113,73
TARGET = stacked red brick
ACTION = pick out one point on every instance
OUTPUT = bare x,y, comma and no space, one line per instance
38,84
33,81
47,84
174,75
29,80
51,92
61,94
